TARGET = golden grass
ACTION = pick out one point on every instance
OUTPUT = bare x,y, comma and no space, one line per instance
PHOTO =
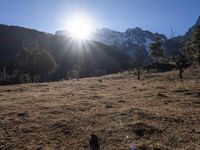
158,112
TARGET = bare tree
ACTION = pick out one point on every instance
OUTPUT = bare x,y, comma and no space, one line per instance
172,32
138,61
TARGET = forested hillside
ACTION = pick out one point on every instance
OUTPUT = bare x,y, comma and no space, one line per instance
85,58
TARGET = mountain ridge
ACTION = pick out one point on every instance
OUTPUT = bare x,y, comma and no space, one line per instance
137,38
95,57
131,39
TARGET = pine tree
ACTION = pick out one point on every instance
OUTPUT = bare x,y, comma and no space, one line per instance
156,49
181,62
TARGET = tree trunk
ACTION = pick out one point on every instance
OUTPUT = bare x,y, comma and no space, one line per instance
32,79
180,73
138,73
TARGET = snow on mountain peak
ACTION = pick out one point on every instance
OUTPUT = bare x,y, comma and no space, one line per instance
129,40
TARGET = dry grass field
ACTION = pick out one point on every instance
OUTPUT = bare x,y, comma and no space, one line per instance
158,112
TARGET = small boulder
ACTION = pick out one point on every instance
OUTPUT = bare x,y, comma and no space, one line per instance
94,142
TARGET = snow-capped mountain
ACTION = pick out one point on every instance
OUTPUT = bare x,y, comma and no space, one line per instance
137,39
130,40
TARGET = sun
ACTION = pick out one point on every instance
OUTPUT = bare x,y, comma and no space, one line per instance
80,27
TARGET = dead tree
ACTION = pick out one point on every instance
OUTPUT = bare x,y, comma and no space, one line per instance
139,60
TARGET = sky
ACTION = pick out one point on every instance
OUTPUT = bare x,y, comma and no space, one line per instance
154,15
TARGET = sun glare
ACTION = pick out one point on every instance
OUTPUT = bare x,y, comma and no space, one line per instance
80,27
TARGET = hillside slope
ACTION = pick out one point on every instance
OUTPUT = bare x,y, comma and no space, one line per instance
157,112
12,40
92,57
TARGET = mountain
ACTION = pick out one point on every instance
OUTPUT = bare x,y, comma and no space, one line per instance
12,39
130,40
92,57
193,27
133,39
172,45
136,38
106,52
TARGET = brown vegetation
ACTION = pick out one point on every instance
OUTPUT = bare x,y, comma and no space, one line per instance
158,112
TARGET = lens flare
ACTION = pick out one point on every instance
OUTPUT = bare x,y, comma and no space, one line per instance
80,27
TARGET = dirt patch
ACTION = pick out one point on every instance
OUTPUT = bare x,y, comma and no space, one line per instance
142,129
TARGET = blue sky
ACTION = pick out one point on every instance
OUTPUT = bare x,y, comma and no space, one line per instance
153,15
